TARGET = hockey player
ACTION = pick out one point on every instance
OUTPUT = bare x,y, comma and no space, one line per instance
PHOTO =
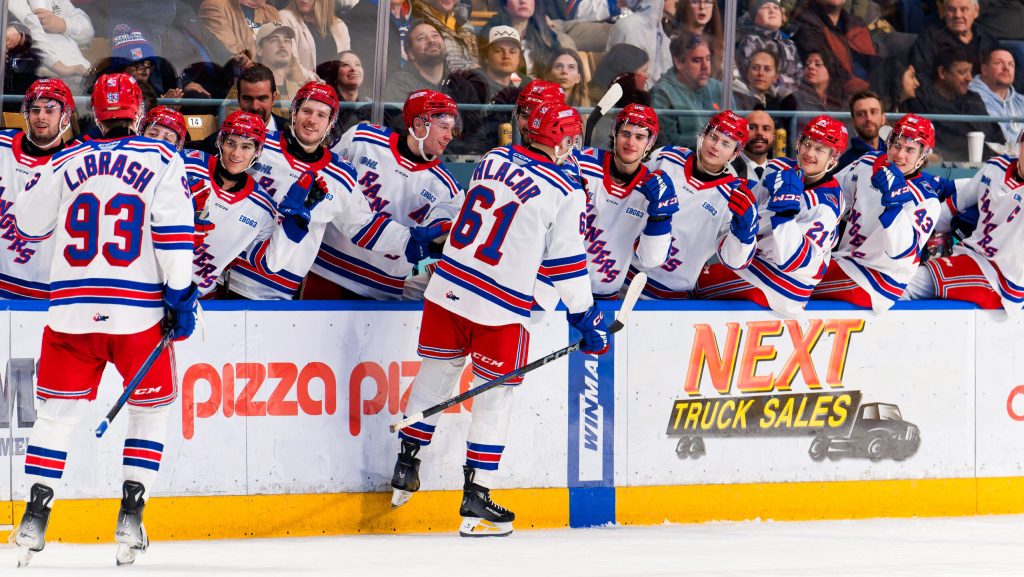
480,296
799,210
717,212
119,211
167,124
309,181
893,206
986,268
47,108
401,177
627,205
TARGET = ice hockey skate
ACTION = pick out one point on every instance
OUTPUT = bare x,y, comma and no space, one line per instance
406,479
31,534
131,533
482,517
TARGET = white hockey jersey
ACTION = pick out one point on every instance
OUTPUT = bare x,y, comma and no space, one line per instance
792,257
240,219
882,260
410,194
616,216
24,266
700,229
121,215
997,244
276,171
522,217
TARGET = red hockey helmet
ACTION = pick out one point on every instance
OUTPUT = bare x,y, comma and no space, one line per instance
730,124
317,92
827,131
427,103
916,128
52,88
244,125
116,96
538,92
640,115
551,122
168,118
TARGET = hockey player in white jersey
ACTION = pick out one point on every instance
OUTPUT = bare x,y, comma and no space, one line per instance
987,268
799,207
892,208
521,217
164,123
629,208
308,180
402,177
47,109
121,217
717,212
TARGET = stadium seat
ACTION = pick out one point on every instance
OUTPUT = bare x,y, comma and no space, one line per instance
200,126
14,120
96,50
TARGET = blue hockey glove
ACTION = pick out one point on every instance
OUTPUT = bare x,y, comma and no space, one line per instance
785,189
895,192
661,203
591,326
744,223
298,204
181,310
421,241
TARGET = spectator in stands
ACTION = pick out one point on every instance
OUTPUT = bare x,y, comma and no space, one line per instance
538,39
256,92
502,64
131,52
949,95
627,66
346,76
704,18
753,159
22,63
897,83
650,27
275,47
688,87
451,18
320,36
995,87
425,48
362,28
231,27
57,31
957,30
587,23
868,118
566,69
825,27
758,90
174,30
1004,19
817,90
761,29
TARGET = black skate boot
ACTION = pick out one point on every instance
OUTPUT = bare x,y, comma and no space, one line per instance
31,534
131,533
482,517
406,479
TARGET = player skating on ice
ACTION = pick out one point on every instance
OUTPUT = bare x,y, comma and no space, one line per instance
629,208
892,209
521,217
119,211
47,109
799,207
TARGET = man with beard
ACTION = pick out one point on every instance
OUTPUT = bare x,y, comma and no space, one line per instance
47,108
868,119
753,159
275,48
425,49
256,92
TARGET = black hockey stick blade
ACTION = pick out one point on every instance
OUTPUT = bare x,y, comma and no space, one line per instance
607,102
636,286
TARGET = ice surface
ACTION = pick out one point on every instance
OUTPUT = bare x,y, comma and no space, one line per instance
967,546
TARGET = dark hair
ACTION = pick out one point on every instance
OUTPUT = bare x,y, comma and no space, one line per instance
328,71
620,59
766,50
414,24
255,74
837,76
948,57
864,95
580,94
685,41
987,54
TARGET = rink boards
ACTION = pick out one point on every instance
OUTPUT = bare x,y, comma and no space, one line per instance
698,414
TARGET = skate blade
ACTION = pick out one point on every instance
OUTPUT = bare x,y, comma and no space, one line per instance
399,498
126,555
24,556
477,527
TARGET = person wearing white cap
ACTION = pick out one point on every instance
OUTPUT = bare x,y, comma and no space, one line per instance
502,60
275,48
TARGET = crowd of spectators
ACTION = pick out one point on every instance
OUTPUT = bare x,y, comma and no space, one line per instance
925,56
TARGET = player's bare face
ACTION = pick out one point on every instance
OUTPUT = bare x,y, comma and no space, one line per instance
813,157
716,150
157,132
44,120
905,154
236,154
311,121
631,142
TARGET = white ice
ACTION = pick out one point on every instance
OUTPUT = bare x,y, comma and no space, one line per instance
968,546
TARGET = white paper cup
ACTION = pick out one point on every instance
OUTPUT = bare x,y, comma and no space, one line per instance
975,146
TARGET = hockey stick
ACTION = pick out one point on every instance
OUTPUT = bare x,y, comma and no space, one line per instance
632,294
134,384
610,99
